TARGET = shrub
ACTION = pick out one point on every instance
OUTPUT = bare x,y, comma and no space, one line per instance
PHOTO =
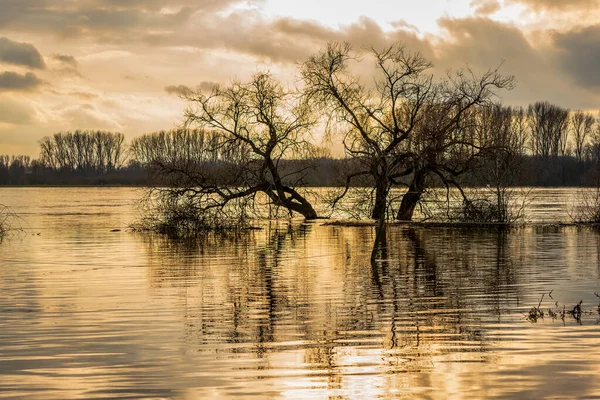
587,209
7,220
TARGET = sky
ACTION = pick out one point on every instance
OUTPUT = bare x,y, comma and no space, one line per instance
119,65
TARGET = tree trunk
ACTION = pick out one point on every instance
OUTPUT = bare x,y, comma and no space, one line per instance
295,202
304,208
411,198
381,192
380,239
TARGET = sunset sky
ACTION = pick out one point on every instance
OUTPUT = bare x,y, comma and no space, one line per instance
119,64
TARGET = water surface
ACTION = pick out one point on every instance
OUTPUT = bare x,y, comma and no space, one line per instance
292,311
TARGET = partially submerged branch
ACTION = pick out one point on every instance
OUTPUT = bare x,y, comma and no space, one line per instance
560,311
587,207
8,220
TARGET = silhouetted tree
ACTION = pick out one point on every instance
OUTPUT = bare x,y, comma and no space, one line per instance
267,123
502,133
549,129
96,152
582,125
233,148
407,128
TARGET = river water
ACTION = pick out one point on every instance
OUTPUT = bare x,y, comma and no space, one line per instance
90,310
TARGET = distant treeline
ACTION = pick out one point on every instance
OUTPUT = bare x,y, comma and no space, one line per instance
23,171
557,146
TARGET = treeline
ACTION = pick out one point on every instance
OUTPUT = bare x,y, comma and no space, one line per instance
555,147
74,158
83,152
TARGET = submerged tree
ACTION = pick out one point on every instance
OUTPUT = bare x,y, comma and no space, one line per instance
409,128
193,180
266,123
233,150
502,134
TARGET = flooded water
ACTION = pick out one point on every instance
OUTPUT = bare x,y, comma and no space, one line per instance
89,310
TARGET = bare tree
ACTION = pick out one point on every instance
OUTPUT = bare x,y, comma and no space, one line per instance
408,127
502,132
549,129
96,152
251,128
582,125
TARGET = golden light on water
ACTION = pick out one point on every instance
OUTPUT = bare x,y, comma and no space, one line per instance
295,311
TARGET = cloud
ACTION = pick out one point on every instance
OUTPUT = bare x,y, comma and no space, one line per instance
201,24
22,54
88,116
12,81
84,95
485,7
578,53
103,20
557,5
544,64
206,86
182,90
178,90
486,43
204,24
66,65
288,40
67,60
402,24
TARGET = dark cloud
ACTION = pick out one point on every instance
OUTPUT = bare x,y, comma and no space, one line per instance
66,60
299,29
206,86
182,90
578,53
12,81
557,5
158,5
108,20
178,90
66,65
22,54
484,43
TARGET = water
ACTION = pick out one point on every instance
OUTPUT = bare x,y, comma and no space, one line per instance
292,311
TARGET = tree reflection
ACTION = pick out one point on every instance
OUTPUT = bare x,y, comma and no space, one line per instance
310,294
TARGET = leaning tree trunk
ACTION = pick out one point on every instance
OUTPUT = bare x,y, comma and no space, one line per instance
292,200
303,207
286,196
411,198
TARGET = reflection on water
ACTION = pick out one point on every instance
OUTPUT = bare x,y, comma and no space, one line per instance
295,310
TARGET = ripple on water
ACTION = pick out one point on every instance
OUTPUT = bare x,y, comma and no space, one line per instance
296,312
